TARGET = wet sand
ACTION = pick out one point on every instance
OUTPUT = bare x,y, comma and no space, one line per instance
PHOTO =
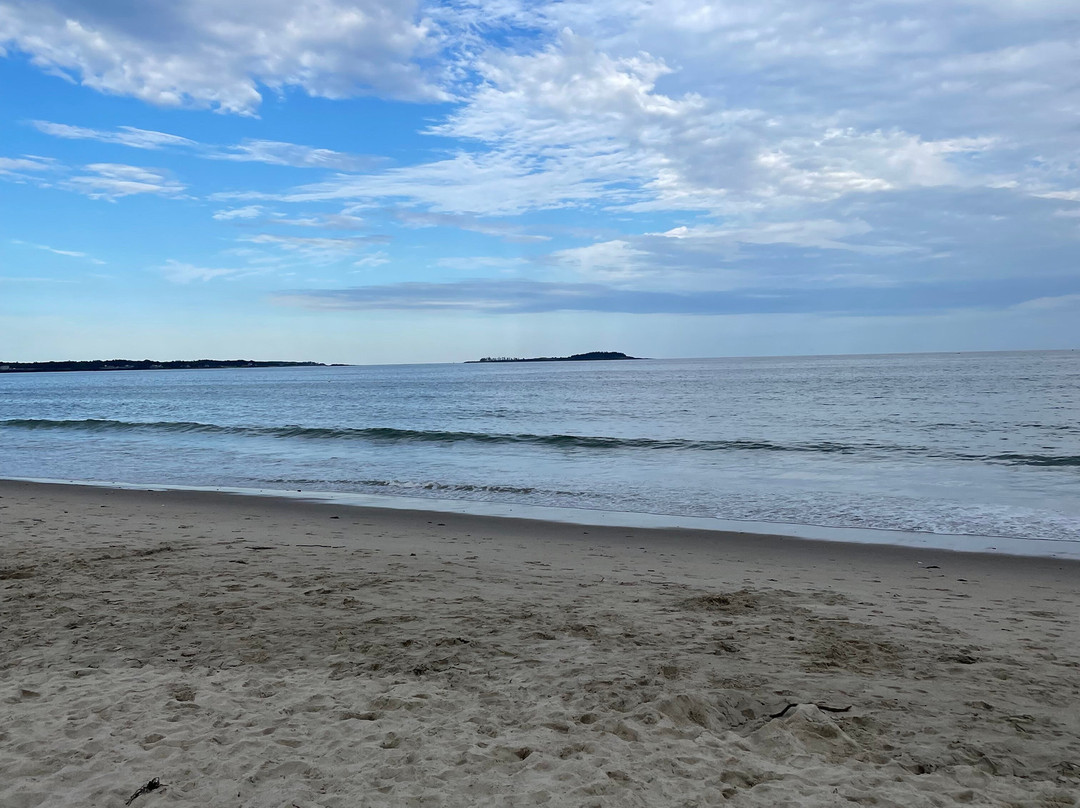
264,652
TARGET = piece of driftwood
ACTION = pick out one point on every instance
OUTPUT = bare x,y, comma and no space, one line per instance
153,785
824,707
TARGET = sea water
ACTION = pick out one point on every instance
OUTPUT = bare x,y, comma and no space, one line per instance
986,444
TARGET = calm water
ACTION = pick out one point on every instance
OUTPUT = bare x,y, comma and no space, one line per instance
984,444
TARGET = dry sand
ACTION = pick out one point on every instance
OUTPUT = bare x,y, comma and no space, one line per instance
263,652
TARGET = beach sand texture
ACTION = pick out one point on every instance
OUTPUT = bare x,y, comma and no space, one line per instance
261,652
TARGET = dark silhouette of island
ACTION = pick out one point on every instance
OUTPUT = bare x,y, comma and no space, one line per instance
144,364
591,356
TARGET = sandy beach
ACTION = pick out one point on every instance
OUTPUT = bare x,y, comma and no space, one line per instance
262,652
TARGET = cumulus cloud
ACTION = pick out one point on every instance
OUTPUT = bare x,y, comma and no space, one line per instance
221,55
571,126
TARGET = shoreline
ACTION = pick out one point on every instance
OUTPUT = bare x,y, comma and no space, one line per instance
270,651
945,542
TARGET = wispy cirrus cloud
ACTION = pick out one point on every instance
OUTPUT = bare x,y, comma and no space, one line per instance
320,250
184,273
123,135
242,213
278,153
530,297
504,230
249,150
57,251
107,181
20,165
323,243
112,181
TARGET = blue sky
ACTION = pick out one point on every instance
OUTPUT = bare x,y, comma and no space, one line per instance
374,181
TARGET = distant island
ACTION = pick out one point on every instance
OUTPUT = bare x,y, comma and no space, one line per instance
144,364
591,356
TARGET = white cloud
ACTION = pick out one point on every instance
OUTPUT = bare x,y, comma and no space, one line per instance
778,142
246,212
274,152
326,221
124,135
1050,303
17,165
822,234
503,230
271,152
205,53
55,251
505,264
570,125
112,181
299,242
375,259
320,250
606,260
180,272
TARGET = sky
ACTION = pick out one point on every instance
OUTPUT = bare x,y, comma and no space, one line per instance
381,181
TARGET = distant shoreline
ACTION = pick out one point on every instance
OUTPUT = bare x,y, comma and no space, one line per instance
591,356
144,364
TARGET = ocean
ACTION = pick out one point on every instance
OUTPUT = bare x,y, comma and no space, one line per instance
937,445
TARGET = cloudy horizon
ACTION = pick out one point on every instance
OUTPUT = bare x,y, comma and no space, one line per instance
372,181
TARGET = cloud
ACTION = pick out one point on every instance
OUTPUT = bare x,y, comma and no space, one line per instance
246,212
180,272
782,254
324,221
572,126
218,55
488,184
112,181
270,152
32,279
503,230
124,135
27,168
375,259
109,181
1050,303
337,244
275,152
321,250
788,147
524,296
55,251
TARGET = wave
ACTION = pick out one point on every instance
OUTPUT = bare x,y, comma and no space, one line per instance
412,485
393,435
